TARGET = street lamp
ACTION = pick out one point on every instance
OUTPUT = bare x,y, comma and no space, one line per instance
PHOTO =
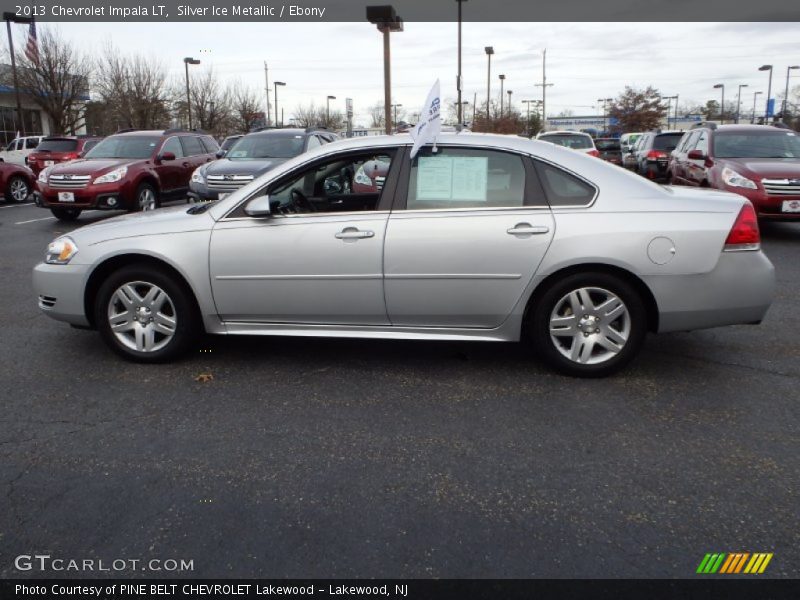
604,101
328,109
489,51
769,89
502,81
458,78
786,94
509,92
10,17
275,95
739,101
721,86
186,62
755,95
386,20
394,113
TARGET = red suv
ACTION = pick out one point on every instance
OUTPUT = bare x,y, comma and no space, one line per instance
59,149
760,162
132,170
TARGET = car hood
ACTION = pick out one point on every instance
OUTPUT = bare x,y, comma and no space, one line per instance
163,221
770,168
92,166
226,166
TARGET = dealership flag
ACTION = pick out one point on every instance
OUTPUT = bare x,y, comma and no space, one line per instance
32,47
430,121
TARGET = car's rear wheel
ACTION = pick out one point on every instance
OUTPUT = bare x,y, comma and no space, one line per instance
144,315
18,189
589,324
146,198
66,214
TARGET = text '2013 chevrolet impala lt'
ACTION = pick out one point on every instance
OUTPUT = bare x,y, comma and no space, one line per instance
485,237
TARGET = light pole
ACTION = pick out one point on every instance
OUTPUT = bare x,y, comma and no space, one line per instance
669,100
739,101
755,95
769,90
394,114
186,62
386,20
502,81
786,94
509,92
458,78
489,51
527,104
721,86
328,109
544,85
10,17
604,101
275,96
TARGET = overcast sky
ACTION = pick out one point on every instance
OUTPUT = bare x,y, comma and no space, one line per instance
585,61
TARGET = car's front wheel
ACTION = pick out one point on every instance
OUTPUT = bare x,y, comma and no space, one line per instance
146,198
66,214
144,315
589,324
17,190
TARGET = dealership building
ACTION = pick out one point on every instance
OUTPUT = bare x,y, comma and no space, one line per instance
596,123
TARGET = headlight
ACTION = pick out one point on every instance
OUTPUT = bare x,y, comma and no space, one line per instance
60,251
733,179
112,176
361,177
43,175
197,176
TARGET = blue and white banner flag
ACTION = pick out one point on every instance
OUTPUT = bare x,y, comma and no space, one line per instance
430,121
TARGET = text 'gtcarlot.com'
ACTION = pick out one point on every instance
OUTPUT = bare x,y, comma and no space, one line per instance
45,562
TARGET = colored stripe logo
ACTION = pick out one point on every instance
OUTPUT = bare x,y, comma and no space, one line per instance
734,562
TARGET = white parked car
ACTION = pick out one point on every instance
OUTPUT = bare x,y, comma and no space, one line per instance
582,142
18,149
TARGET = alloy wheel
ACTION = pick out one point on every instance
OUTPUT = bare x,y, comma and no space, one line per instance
19,190
142,316
147,199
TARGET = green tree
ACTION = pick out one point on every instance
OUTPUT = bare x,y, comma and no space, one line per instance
637,110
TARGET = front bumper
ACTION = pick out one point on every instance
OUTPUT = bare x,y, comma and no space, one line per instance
739,290
96,197
60,291
767,207
201,193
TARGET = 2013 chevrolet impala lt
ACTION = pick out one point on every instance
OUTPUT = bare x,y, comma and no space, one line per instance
484,237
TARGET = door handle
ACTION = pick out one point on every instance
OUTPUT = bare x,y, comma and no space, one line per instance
527,229
351,233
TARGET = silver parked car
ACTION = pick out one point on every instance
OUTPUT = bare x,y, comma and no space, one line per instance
493,238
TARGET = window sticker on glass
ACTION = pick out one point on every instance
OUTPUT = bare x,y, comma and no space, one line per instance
452,178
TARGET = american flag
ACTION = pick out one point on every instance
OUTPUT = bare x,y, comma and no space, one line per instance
32,47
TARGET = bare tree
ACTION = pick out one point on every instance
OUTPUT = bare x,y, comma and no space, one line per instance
210,102
58,82
306,115
246,111
376,115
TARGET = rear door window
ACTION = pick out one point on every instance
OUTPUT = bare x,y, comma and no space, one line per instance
31,143
563,188
173,145
192,145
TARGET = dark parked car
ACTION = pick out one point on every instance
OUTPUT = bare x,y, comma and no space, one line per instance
652,153
133,170
227,143
59,149
252,155
609,149
16,182
760,162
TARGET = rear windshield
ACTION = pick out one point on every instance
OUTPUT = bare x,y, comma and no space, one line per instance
58,146
667,141
607,145
125,146
569,141
252,147
783,144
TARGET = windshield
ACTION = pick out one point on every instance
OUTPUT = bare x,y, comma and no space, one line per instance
607,145
784,144
125,146
569,141
667,142
58,146
228,142
252,147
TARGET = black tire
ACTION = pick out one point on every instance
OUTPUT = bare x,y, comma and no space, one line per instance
66,214
145,188
551,350
17,183
181,308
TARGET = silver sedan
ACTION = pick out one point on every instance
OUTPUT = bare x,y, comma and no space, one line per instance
492,238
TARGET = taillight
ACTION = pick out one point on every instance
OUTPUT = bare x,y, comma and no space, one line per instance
593,153
744,234
71,156
656,154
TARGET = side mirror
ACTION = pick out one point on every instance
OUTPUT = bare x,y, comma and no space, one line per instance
221,153
696,155
258,207
167,156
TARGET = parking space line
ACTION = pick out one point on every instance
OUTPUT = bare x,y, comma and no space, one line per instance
17,205
34,220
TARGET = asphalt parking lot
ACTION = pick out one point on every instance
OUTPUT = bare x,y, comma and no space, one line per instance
342,458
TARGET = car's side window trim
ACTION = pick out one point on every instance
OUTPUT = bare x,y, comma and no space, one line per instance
532,186
387,192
